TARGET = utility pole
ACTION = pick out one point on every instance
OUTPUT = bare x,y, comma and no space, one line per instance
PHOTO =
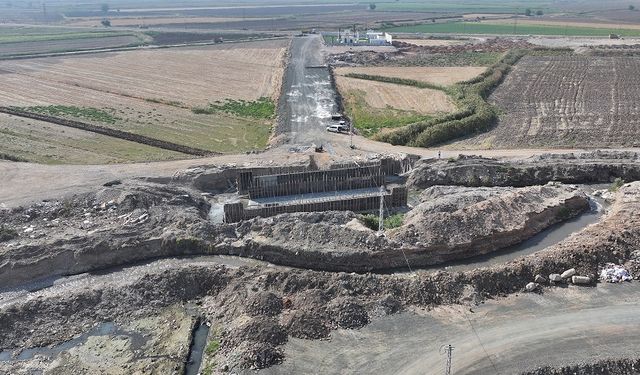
449,352
351,134
381,214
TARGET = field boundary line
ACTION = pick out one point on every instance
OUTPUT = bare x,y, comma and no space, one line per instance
127,136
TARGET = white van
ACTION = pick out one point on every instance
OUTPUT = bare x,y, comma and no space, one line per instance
334,128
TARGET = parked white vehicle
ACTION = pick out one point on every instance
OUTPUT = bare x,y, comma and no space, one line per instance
334,128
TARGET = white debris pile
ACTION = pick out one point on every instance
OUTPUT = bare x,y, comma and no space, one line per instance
613,273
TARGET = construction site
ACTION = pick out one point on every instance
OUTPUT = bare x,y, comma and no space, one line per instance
428,204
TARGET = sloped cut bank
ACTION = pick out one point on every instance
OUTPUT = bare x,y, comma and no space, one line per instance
146,223
430,236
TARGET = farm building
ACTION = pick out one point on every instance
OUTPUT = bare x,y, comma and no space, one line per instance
378,38
350,37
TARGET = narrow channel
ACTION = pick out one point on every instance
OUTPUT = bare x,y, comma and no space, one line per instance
196,351
548,237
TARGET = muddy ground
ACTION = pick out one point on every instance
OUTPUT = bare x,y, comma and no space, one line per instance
92,259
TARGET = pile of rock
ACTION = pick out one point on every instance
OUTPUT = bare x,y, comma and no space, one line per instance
569,275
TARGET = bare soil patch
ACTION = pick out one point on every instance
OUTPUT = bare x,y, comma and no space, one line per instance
444,76
567,101
384,95
432,42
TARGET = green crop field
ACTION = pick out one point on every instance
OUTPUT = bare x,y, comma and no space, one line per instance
505,29
462,6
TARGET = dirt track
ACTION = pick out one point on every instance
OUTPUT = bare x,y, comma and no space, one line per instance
519,333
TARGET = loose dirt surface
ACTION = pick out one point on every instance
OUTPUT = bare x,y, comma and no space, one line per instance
432,42
566,101
254,311
408,98
437,75
152,92
505,336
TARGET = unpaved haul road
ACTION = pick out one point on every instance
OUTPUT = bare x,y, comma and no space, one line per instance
515,334
308,99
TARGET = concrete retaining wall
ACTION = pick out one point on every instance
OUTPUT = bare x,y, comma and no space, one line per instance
235,212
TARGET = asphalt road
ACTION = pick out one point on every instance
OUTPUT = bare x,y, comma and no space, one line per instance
511,335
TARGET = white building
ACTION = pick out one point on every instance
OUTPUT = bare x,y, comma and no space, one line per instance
348,36
378,38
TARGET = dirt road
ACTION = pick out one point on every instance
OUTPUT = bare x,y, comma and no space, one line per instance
515,334
308,99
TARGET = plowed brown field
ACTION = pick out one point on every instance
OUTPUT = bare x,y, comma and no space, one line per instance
566,101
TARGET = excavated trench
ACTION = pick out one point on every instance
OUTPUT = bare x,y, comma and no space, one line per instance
499,279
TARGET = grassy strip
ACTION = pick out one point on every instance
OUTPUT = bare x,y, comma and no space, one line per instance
92,114
263,108
506,29
372,221
396,80
475,115
370,120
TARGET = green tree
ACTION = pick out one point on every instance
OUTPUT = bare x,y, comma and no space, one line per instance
106,23
527,12
372,6
539,13
632,7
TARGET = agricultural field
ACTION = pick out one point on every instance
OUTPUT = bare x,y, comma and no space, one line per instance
19,40
158,93
443,76
43,142
406,98
566,101
513,29
373,105
148,21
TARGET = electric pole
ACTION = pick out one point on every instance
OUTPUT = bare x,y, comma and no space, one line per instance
381,214
448,351
351,134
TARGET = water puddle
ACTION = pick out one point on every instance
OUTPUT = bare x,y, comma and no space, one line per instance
103,329
198,343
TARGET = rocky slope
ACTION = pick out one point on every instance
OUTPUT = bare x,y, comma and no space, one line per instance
254,310
593,167
128,223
